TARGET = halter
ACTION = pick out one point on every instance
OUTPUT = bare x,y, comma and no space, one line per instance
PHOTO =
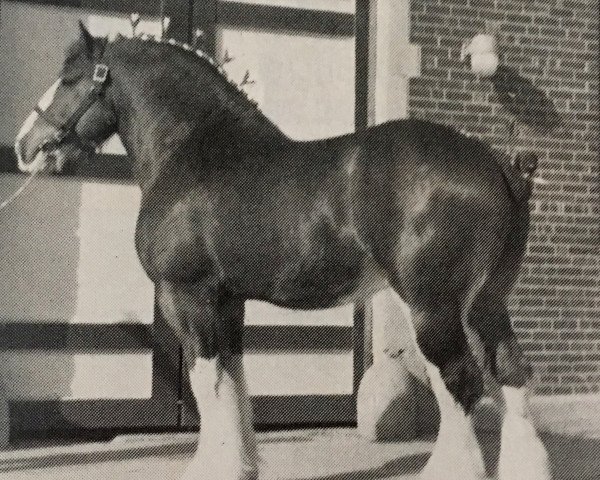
67,129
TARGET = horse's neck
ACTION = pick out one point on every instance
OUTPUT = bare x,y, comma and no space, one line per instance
182,129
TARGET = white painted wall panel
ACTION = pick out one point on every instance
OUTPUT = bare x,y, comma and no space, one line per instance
313,373
67,253
39,250
111,25
111,284
35,375
344,6
261,313
67,256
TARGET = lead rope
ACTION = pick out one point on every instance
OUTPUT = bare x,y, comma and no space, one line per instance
18,191
162,19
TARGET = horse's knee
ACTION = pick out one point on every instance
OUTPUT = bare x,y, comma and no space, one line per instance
503,353
207,321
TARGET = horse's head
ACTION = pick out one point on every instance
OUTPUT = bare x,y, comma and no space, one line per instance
74,115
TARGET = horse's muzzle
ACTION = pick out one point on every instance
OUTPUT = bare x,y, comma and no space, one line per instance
46,157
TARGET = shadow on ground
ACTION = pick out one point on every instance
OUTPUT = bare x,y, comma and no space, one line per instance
572,458
409,465
87,458
328,455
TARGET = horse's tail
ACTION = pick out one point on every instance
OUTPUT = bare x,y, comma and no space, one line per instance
519,174
526,163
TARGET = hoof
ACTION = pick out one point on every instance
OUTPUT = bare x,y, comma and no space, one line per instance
450,463
522,454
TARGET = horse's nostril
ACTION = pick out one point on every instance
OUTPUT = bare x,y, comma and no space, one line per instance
26,152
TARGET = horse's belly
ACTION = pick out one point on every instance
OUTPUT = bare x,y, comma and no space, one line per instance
370,282
326,288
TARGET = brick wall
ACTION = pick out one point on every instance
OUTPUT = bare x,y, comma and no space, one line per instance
551,48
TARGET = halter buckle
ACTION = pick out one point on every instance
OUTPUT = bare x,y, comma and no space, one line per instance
100,73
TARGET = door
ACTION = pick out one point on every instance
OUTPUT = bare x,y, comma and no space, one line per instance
79,353
296,60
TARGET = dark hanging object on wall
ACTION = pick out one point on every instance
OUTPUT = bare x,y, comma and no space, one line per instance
524,100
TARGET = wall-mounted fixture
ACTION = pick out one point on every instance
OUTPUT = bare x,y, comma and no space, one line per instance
482,50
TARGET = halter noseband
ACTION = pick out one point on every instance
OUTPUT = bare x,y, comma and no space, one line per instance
67,129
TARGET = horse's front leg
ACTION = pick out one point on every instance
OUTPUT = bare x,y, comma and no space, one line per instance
227,447
210,328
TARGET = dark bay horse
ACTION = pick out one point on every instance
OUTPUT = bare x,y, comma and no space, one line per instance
232,209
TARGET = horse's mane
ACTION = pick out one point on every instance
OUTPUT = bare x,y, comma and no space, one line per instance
77,57
203,57
196,55
235,115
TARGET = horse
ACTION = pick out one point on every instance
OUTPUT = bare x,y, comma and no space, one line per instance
233,209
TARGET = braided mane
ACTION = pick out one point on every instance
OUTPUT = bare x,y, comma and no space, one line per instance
201,54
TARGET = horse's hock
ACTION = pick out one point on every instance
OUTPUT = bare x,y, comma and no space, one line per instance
386,404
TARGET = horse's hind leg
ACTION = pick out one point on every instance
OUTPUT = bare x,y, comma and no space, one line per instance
210,328
522,454
457,384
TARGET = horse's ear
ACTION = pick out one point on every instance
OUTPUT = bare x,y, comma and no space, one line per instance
86,38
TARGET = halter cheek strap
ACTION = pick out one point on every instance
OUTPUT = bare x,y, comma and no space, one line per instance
67,129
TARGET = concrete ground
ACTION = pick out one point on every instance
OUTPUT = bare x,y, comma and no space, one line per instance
332,454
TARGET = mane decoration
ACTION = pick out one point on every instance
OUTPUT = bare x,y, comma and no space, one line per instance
135,19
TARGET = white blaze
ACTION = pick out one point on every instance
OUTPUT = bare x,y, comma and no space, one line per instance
44,102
